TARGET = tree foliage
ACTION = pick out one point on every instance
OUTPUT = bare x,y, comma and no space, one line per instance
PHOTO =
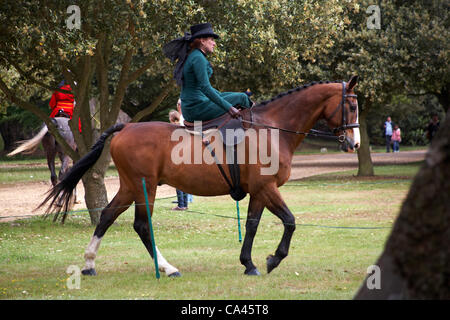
407,55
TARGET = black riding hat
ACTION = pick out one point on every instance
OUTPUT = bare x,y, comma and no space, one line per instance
202,30
178,49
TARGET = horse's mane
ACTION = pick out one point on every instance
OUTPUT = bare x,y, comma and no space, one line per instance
302,87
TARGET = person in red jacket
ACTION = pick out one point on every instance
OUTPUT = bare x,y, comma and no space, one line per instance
63,101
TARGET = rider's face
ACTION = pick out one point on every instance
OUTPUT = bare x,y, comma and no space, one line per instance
208,44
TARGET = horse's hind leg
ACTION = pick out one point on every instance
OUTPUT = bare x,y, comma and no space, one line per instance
119,204
48,142
142,228
255,209
65,160
65,166
277,206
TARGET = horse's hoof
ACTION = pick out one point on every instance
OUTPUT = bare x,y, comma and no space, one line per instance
252,272
176,274
89,272
272,262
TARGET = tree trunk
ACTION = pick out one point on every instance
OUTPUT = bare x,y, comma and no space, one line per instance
415,263
96,196
365,165
444,97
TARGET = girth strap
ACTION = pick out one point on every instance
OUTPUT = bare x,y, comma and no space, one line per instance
236,191
218,164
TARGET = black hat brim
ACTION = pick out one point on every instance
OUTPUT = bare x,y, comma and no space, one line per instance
205,34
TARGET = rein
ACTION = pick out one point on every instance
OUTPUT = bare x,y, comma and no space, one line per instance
312,132
318,133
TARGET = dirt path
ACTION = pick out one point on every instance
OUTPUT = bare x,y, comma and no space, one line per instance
19,199
311,165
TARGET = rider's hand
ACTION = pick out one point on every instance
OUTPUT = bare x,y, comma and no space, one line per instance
234,112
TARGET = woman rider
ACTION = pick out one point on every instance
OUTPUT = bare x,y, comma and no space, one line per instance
199,100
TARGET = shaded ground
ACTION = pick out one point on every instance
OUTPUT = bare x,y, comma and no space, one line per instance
20,199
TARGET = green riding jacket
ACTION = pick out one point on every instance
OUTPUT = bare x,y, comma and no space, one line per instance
199,100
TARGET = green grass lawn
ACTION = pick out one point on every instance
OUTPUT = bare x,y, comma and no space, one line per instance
342,225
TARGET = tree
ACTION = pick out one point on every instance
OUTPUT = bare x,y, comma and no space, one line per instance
119,41
420,39
415,262
406,53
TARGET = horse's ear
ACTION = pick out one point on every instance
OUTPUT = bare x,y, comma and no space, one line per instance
352,83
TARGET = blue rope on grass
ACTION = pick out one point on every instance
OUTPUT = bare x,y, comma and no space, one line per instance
227,217
296,224
344,184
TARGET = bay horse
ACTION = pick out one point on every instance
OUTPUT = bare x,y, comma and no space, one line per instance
143,150
51,147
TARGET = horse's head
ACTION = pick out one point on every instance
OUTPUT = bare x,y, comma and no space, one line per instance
341,114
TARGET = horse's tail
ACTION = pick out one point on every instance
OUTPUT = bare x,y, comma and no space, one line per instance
29,146
61,194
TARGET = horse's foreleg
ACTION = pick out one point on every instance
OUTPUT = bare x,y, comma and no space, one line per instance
142,228
277,206
255,209
119,204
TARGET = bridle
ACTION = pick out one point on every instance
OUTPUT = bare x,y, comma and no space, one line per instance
345,125
318,133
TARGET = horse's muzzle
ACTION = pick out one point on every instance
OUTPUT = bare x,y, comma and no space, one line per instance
348,145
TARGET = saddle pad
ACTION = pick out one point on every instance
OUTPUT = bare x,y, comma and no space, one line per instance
205,133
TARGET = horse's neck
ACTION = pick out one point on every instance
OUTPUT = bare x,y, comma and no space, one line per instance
298,111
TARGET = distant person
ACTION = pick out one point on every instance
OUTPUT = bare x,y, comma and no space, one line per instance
174,117
182,197
189,196
388,133
62,103
433,127
181,113
396,138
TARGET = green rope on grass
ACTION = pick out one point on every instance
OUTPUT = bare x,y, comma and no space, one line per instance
152,238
